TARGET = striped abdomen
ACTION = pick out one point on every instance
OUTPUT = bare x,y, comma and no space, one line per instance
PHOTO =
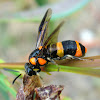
69,47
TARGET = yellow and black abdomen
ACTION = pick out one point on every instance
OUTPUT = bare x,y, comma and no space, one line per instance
68,47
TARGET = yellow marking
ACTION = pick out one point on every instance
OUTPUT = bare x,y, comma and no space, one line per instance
40,47
60,50
32,61
85,50
42,61
35,69
78,51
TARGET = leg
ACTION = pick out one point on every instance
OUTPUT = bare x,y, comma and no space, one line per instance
52,61
72,57
39,69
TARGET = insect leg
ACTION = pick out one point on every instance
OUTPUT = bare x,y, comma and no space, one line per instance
52,61
39,69
72,57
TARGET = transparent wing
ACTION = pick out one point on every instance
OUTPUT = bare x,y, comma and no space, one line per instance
53,38
43,28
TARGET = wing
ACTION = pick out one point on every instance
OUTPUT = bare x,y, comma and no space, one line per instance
43,28
53,38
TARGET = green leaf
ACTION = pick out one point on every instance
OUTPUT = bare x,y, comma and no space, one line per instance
67,98
6,85
1,61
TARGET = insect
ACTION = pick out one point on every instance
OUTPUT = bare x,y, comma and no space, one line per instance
48,49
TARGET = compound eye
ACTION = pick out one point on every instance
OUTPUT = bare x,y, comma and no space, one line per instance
42,61
33,61
29,70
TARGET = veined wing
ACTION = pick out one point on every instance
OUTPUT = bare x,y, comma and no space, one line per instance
53,38
43,28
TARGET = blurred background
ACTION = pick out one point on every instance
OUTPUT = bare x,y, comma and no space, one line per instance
19,22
